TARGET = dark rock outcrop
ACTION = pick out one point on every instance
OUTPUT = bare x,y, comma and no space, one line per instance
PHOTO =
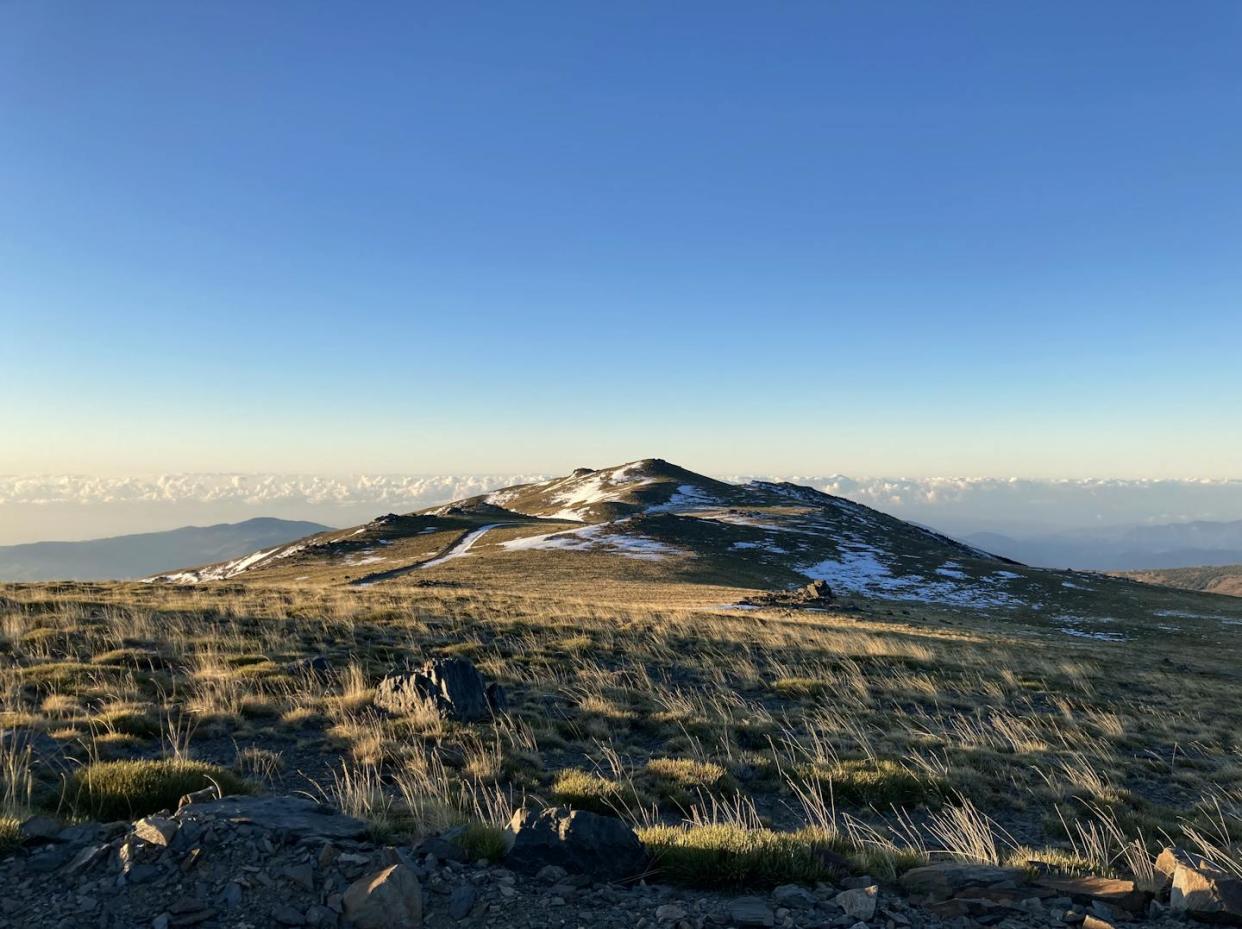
452,685
581,842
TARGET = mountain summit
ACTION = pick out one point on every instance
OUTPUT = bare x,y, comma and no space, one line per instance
652,521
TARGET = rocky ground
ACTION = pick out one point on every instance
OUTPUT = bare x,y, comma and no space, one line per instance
249,862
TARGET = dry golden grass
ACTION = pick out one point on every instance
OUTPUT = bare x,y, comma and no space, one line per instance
650,699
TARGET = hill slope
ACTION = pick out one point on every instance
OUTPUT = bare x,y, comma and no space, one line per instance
129,556
1215,579
649,525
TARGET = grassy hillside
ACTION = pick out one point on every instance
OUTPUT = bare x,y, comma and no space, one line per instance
874,720
1221,579
945,701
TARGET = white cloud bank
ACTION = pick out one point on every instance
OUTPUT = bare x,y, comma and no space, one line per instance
41,507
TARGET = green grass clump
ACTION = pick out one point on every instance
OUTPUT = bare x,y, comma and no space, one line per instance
726,855
881,782
10,833
686,772
130,658
482,840
801,686
582,790
111,790
129,721
680,780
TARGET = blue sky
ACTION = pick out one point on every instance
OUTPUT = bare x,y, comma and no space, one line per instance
900,238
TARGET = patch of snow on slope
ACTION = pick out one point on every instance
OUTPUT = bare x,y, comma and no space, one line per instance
461,548
501,497
218,573
595,538
768,547
685,497
578,493
1184,614
859,569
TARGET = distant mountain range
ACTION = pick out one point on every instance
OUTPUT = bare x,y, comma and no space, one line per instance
1123,548
131,556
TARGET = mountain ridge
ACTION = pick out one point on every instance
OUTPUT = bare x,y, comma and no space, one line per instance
137,554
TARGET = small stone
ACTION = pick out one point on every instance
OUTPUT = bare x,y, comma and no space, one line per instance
387,899
794,896
858,903
1091,921
86,859
286,915
751,911
156,830
462,900
552,873
301,874
233,895
670,913
160,922
206,795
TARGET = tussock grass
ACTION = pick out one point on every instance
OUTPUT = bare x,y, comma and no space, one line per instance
583,790
880,782
112,790
733,855
643,698
10,833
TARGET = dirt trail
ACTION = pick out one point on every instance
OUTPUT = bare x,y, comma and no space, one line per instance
456,550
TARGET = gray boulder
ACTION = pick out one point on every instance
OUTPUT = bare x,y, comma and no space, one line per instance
581,842
945,879
386,899
291,816
453,686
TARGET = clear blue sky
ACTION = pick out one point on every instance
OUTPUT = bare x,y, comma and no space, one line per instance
902,238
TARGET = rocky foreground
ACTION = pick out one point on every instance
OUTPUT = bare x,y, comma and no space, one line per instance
249,862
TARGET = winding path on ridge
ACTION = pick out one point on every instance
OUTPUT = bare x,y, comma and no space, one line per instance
456,550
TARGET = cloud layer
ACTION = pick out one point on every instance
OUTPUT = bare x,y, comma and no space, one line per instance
952,504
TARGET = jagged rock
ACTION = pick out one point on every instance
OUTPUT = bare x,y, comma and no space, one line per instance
316,666
387,899
294,816
858,903
670,913
817,591
1123,894
751,911
950,878
206,795
1198,888
39,828
156,830
497,699
579,841
86,859
794,896
453,685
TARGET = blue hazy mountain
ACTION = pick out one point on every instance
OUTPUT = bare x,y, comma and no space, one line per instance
130,556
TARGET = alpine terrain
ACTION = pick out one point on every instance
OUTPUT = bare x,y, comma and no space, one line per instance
626,697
